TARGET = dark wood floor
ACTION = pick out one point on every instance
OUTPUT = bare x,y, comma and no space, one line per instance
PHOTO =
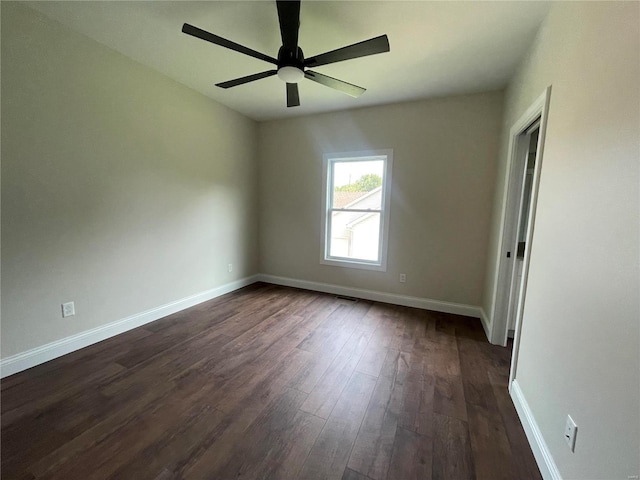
272,382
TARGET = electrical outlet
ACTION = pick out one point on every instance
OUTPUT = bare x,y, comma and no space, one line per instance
403,277
230,267
570,431
68,309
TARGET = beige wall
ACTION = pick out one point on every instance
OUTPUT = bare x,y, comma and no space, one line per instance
445,154
121,189
581,327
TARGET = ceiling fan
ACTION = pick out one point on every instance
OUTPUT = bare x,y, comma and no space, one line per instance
292,66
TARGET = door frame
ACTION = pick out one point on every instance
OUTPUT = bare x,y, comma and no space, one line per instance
506,279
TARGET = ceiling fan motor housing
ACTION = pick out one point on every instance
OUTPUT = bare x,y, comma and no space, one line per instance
290,65
289,58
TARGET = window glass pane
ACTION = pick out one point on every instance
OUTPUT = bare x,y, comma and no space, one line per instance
355,235
357,184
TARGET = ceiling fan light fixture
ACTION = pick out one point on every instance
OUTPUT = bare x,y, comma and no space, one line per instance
290,74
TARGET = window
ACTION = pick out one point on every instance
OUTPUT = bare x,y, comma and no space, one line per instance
355,209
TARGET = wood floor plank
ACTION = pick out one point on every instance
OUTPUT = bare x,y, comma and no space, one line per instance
166,367
372,360
55,391
278,368
226,437
236,355
372,449
287,459
448,397
353,475
41,438
313,371
153,345
452,454
276,383
268,432
403,399
165,475
315,313
325,343
158,458
125,443
384,318
330,453
474,366
255,314
327,391
442,356
418,404
412,456
415,329
489,444
336,328
121,414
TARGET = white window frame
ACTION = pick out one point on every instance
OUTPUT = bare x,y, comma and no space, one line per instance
329,160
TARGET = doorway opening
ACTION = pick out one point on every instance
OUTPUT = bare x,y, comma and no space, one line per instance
526,145
529,137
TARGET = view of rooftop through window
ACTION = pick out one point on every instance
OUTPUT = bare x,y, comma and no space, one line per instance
356,206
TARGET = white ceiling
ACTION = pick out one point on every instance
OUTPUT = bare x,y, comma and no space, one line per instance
437,48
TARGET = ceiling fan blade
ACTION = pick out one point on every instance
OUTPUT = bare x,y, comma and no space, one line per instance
293,100
362,49
247,79
223,42
348,88
289,18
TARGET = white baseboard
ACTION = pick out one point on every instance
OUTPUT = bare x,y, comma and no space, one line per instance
485,324
36,356
541,452
404,300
